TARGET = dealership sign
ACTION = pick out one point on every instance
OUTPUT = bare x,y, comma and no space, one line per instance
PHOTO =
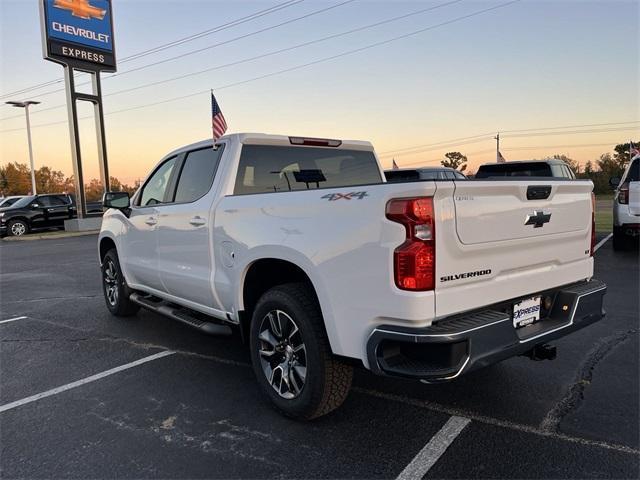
79,33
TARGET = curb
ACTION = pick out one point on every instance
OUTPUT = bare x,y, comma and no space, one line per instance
49,236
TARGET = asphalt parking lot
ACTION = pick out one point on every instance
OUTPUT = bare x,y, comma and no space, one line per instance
150,398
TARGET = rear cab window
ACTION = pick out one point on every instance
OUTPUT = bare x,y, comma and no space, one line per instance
398,176
525,169
272,169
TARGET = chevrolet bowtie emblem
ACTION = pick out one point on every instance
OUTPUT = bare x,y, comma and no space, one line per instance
80,8
537,219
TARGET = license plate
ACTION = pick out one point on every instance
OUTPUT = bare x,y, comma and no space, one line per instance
526,312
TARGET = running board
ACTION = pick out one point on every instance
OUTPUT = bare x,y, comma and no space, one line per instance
183,315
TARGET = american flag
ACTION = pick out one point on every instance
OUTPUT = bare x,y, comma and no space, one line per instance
633,150
394,166
218,123
500,158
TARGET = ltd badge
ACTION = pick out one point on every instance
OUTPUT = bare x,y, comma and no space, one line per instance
537,219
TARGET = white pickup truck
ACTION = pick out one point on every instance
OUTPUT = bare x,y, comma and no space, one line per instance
300,245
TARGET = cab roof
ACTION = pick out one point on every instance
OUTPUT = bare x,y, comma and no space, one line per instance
270,139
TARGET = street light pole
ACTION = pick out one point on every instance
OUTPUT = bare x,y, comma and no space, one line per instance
26,106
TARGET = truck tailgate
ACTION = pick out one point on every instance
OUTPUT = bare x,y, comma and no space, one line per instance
500,210
499,240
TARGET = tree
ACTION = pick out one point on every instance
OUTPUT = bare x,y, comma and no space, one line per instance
455,160
49,181
621,155
17,178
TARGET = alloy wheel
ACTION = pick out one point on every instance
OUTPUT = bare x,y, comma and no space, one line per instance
18,229
110,278
282,354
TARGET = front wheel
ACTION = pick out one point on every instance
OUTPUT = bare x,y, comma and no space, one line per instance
17,228
116,292
291,355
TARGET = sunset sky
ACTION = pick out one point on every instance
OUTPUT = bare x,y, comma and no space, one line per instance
522,69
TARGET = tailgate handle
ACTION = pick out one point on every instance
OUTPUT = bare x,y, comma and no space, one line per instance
538,192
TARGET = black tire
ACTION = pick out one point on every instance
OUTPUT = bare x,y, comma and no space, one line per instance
17,227
116,291
620,242
327,380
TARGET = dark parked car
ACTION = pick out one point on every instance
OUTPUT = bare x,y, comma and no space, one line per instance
35,212
535,168
420,174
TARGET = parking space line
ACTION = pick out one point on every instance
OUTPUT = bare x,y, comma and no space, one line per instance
602,242
12,319
433,450
77,383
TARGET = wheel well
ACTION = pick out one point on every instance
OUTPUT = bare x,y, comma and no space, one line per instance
106,244
263,275
22,219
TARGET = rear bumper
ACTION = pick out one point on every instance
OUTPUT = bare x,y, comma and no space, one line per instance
630,229
463,343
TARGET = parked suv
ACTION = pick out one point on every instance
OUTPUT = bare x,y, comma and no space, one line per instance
626,206
533,168
35,212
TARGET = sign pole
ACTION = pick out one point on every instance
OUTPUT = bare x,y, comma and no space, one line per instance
33,171
99,119
72,113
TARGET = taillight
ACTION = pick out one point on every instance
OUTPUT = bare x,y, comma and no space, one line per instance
623,194
414,260
593,222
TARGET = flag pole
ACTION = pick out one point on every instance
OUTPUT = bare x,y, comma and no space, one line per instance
497,139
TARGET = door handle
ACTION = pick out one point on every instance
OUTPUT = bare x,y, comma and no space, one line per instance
151,221
197,221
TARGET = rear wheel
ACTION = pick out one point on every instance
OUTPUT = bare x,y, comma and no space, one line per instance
17,228
291,355
116,292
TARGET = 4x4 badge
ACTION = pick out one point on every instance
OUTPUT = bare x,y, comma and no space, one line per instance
537,219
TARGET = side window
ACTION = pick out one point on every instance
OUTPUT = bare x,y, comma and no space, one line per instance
56,201
197,174
62,198
43,201
426,175
50,201
155,188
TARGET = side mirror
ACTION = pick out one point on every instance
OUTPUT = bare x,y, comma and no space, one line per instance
34,206
118,200
614,182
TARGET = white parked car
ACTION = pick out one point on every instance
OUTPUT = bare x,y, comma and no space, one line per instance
626,206
301,245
